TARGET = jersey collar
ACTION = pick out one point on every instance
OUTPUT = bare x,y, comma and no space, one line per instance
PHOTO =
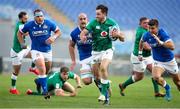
37,23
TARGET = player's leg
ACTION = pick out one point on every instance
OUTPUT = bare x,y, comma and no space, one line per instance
149,64
38,58
97,80
86,73
48,65
157,71
105,61
176,80
16,62
104,80
172,67
155,84
48,61
137,74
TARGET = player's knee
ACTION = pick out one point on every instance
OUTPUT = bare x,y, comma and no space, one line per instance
103,69
138,76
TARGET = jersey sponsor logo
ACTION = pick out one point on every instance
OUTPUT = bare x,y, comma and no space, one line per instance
98,27
104,33
40,33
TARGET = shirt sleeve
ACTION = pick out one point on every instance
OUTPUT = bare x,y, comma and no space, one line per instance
25,28
165,37
89,26
72,37
53,27
144,37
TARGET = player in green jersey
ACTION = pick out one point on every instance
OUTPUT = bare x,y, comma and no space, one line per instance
138,66
102,50
57,83
17,53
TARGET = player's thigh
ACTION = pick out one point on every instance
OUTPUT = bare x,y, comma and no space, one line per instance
38,58
95,70
68,87
148,61
171,66
15,58
176,78
157,70
138,66
104,64
107,55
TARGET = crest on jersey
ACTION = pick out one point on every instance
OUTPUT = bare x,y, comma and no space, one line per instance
104,33
45,26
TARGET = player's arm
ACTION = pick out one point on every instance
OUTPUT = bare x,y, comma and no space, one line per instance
118,34
167,44
60,92
52,38
20,37
140,50
78,80
83,35
72,54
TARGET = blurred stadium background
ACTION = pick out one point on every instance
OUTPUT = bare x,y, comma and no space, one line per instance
65,12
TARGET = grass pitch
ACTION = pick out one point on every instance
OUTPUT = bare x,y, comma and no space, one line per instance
139,95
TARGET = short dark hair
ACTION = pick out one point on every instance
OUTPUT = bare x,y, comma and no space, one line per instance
142,19
103,8
64,69
21,14
153,22
37,10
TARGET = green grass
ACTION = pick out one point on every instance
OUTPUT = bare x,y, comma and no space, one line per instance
137,95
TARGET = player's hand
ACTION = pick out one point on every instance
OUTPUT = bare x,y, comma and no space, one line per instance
73,64
157,39
115,33
23,46
83,38
50,40
73,94
79,86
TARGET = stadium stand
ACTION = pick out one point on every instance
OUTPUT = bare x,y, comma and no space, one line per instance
125,12
128,12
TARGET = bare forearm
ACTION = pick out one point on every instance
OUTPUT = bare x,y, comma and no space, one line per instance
72,53
169,45
20,37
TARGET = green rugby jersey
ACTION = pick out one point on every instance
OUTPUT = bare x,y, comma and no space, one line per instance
54,81
100,34
16,45
139,33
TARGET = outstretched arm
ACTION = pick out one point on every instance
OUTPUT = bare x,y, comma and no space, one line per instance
52,38
72,54
168,44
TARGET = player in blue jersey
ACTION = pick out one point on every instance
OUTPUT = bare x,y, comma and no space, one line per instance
40,34
164,60
84,50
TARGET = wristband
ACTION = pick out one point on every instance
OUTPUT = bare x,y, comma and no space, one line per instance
161,42
54,37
